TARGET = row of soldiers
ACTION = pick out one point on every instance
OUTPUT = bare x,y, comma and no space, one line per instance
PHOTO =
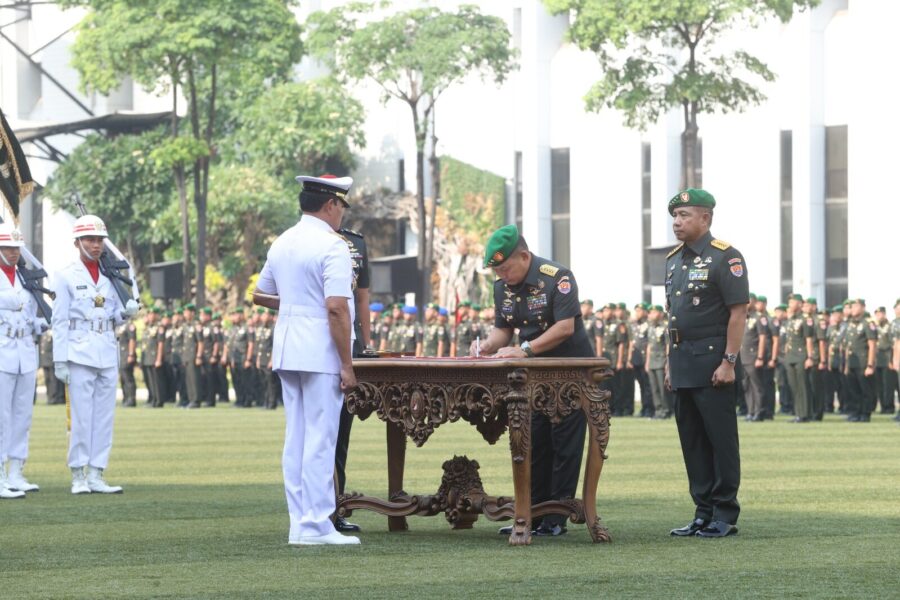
812,362
185,357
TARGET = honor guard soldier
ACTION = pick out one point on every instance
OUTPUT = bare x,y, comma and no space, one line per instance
163,369
833,359
816,373
444,320
126,335
191,358
860,345
707,295
768,372
309,268
206,351
375,310
86,312
218,363
19,323
587,315
614,343
540,299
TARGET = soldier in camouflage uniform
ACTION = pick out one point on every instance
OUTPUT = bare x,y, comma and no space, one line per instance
375,310
433,339
860,347
191,359
395,336
885,382
56,391
657,341
444,320
637,357
384,327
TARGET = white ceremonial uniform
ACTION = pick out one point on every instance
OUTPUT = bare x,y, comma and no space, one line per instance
85,317
307,264
18,367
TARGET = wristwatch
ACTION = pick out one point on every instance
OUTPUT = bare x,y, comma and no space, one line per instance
732,358
526,348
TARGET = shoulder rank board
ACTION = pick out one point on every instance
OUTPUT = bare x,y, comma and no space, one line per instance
720,244
549,270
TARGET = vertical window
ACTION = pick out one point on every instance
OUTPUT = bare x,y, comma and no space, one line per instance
787,214
836,270
646,214
517,182
559,205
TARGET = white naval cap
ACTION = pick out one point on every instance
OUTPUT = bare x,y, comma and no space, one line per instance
327,184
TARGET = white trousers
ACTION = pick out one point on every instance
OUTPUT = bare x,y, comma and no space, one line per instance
312,408
92,399
16,406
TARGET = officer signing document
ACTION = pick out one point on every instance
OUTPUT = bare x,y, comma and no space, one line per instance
308,274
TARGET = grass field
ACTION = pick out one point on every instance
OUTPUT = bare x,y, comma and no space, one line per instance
204,516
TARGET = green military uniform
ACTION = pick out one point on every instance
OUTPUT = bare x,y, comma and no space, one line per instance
150,339
615,334
816,375
435,333
166,382
895,337
238,342
833,366
785,397
56,391
190,343
411,335
176,365
657,340
207,378
798,330
861,394
638,332
753,383
548,294
220,378
263,346
885,382
467,331
125,335
704,278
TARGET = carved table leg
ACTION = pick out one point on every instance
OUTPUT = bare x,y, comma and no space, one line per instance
518,409
396,450
596,408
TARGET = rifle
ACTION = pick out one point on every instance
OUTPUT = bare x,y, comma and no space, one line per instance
32,278
113,264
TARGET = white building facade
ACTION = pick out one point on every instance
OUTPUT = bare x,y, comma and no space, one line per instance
803,181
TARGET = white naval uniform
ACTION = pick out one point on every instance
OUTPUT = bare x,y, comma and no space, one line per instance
307,264
18,367
84,336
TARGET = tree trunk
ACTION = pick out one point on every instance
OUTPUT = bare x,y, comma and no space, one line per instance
199,197
182,202
689,146
435,165
424,287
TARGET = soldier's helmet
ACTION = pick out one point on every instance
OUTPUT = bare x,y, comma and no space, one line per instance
10,236
89,225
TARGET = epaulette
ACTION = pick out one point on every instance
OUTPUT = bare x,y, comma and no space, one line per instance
720,244
351,232
549,270
674,250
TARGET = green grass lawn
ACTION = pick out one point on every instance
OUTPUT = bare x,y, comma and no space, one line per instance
204,516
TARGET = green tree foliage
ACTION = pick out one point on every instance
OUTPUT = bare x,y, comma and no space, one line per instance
307,127
248,208
217,54
117,178
413,56
661,54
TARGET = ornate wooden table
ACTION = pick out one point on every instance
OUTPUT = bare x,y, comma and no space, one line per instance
415,396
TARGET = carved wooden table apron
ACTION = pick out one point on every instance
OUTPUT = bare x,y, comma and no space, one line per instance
414,396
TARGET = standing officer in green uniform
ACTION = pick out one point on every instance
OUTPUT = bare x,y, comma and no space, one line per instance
56,391
191,359
433,341
411,332
149,352
637,357
126,335
587,316
885,382
466,331
798,349
707,294
819,356
237,343
614,342
895,355
753,348
163,371
540,298
833,359
860,344
375,310
220,377
264,345
767,372
206,351
385,326
657,341
785,399
176,360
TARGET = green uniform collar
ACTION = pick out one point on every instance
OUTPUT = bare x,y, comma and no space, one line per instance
699,245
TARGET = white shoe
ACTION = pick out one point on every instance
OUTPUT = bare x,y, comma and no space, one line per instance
331,539
6,490
97,485
16,480
79,483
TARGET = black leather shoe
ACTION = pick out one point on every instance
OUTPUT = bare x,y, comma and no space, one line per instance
717,529
341,524
690,529
547,530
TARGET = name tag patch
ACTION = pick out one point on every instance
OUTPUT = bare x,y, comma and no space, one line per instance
698,275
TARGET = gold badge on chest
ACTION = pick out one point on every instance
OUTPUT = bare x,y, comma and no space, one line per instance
99,301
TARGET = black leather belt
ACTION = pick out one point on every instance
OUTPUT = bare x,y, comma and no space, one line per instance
676,336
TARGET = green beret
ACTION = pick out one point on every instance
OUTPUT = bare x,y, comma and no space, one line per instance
272,311
168,313
611,306
691,197
189,306
897,303
155,310
433,305
217,315
795,296
237,311
476,306
500,246
657,307
762,299
847,301
260,310
781,307
859,301
881,309
465,304
622,305
837,308
207,310
811,300
587,301
753,296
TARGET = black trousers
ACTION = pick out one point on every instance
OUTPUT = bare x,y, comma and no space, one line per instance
707,428
768,383
861,397
643,381
832,383
126,379
816,388
785,397
150,382
221,382
192,382
886,387
206,385
556,459
162,389
237,382
179,386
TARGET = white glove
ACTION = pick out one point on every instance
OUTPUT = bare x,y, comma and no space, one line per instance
40,325
131,309
61,370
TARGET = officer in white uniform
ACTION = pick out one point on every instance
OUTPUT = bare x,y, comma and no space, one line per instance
309,269
19,324
86,312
